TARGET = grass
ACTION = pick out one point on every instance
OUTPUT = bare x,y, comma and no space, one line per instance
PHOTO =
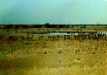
58,57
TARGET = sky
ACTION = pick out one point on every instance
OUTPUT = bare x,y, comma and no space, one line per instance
53,11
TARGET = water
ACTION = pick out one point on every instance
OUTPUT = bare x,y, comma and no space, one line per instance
102,32
76,33
59,34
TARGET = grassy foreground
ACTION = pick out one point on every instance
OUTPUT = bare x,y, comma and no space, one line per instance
69,57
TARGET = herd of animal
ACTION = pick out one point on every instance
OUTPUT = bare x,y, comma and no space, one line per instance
50,37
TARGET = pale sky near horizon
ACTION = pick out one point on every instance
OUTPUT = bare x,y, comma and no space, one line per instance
53,11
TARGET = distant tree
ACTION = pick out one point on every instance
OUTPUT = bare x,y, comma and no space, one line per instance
58,26
47,25
66,26
98,24
84,26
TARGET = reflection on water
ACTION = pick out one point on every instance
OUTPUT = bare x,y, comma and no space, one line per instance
102,32
76,33
59,34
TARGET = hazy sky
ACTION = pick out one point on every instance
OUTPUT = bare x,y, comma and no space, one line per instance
53,11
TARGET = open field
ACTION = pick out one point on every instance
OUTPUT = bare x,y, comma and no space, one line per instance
32,52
